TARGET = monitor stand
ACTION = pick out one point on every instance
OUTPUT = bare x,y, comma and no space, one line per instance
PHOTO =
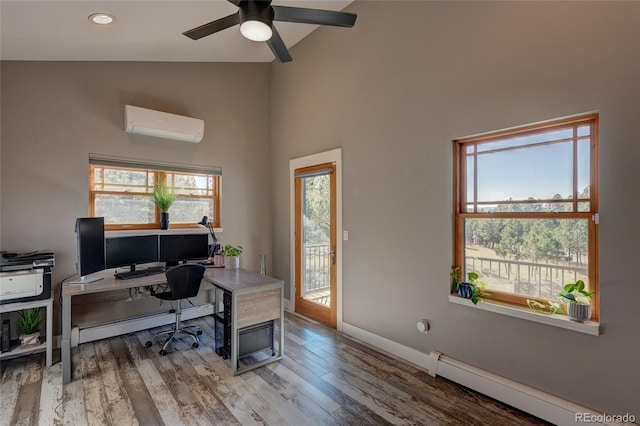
86,280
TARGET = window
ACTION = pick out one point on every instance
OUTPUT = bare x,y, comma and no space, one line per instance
526,209
120,190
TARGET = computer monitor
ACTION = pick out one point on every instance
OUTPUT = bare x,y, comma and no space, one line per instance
176,248
131,251
90,248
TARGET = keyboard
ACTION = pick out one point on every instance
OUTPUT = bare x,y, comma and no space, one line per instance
130,274
139,273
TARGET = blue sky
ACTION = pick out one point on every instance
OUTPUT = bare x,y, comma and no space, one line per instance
538,172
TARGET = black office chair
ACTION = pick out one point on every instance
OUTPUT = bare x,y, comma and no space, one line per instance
184,281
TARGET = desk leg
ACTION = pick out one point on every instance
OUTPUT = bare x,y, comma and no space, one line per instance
234,334
66,339
281,330
50,333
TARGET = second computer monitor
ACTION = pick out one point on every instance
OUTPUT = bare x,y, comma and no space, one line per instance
131,251
90,237
175,248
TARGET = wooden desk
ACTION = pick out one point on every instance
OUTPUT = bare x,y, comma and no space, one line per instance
108,283
255,299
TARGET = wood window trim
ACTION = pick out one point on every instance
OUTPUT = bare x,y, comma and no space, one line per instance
460,194
215,190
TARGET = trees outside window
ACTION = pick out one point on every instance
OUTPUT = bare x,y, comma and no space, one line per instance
526,209
123,197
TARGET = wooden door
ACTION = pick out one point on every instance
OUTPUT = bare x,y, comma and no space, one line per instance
315,242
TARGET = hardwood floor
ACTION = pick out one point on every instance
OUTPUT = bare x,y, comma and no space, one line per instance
324,379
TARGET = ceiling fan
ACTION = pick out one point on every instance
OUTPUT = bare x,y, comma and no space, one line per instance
256,22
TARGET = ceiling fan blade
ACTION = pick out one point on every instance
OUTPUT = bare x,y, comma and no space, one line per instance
213,27
278,47
313,16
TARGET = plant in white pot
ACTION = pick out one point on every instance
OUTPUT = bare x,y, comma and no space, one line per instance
29,325
163,198
232,256
578,301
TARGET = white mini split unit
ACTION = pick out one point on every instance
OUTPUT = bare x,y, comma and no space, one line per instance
160,124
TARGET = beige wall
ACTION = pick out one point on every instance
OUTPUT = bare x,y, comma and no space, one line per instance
55,113
393,92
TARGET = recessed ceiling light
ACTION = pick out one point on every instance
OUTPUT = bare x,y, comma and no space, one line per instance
101,18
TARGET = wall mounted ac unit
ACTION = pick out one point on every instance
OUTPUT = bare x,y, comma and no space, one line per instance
160,124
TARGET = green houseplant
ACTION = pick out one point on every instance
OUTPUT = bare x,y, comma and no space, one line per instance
29,325
544,307
232,256
470,289
163,198
578,301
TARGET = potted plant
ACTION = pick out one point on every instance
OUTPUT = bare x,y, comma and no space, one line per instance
544,307
578,301
29,325
232,256
163,198
471,289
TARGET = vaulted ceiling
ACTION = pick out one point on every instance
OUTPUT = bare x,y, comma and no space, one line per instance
144,30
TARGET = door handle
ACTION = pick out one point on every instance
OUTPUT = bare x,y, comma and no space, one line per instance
333,254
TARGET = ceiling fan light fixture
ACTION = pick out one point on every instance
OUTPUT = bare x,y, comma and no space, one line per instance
256,18
256,30
101,18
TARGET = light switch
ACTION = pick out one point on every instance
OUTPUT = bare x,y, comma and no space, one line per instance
345,235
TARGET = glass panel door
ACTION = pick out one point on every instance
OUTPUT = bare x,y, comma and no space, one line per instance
316,242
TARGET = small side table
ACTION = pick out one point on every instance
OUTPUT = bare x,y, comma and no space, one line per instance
48,344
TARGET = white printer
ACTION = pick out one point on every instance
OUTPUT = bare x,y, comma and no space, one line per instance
25,276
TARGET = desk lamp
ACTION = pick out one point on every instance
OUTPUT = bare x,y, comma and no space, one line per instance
206,223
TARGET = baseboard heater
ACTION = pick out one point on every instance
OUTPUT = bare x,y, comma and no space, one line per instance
533,401
117,328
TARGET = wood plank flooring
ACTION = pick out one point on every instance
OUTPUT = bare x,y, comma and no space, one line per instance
325,378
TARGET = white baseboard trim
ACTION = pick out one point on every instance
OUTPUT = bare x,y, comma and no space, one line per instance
103,331
288,305
416,357
530,400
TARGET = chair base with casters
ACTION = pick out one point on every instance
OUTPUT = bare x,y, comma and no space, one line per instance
177,329
184,281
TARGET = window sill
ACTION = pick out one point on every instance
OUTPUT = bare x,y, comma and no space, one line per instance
127,233
561,321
